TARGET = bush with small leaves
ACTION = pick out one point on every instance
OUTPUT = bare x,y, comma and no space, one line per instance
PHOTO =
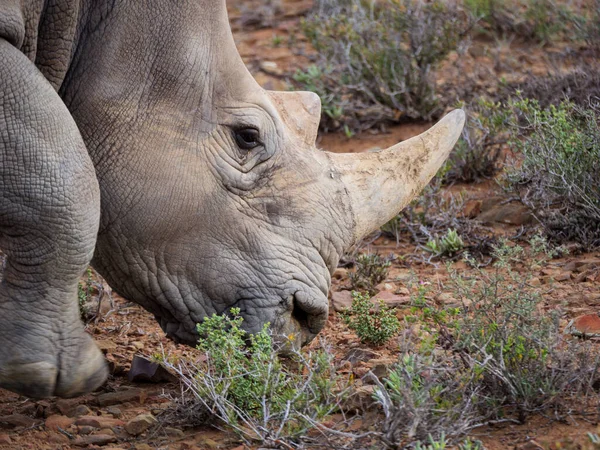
373,325
371,269
559,176
376,58
245,383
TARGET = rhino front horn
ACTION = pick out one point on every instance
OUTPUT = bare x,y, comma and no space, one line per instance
381,183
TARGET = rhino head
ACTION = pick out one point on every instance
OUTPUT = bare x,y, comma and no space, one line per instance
214,194
195,189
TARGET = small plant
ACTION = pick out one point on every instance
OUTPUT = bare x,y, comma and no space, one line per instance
246,385
478,153
371,269
84,295
372,325
448,245
376,58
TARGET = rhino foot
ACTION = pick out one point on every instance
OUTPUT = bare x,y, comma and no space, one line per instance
85,371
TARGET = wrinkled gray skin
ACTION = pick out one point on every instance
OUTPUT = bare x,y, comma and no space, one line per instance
118,125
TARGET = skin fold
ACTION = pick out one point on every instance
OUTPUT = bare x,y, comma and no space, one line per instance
134,133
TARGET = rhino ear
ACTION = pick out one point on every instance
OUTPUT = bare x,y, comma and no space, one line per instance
300,111
380,184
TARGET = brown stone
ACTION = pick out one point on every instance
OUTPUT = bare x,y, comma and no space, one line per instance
563,276
82,410
173,432
392,300
5,439
106,346
93,439
510,213
67,406
18,420
341,300
55,422
57,438
584,326
99,421
139,424
118,397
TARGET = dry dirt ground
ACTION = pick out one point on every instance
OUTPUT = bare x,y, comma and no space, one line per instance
103,419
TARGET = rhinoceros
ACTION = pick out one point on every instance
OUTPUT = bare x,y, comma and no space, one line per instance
133,136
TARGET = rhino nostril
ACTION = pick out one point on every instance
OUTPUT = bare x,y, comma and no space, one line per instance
309,314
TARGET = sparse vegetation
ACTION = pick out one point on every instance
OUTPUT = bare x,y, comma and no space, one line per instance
448,245
498,357
373,324
376,59
371,269
559,176
251,390
84,294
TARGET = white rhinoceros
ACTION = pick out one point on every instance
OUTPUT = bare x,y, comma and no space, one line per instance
132,132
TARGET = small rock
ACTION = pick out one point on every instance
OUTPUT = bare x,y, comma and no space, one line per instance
359,354
144,370
174,432
55,422
270,67
403,291
57,438
85,429
116,398
535,282
341,300
142,446
5,439
82,410
99,421
530,445
139,424
18,420
67,406
93,439
563,276
106,346
584,326
114,411
391,300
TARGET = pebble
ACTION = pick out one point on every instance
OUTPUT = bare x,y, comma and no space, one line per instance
93,439
116,398
139,424
56,421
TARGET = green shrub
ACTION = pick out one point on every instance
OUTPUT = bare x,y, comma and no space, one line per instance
448,245
540,20
371,269
246,384
559,176
84,295
372,325
376,58
478,153
498,357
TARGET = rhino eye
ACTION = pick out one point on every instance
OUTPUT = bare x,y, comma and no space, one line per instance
247,138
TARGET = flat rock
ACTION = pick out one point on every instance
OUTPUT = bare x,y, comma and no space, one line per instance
18,420
584,326
341,300
359,354
99,422
139,424
144,370
392,300
93,439
5,439
56,421
118,397
67,406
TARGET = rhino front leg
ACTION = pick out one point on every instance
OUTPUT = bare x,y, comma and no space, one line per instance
49,215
